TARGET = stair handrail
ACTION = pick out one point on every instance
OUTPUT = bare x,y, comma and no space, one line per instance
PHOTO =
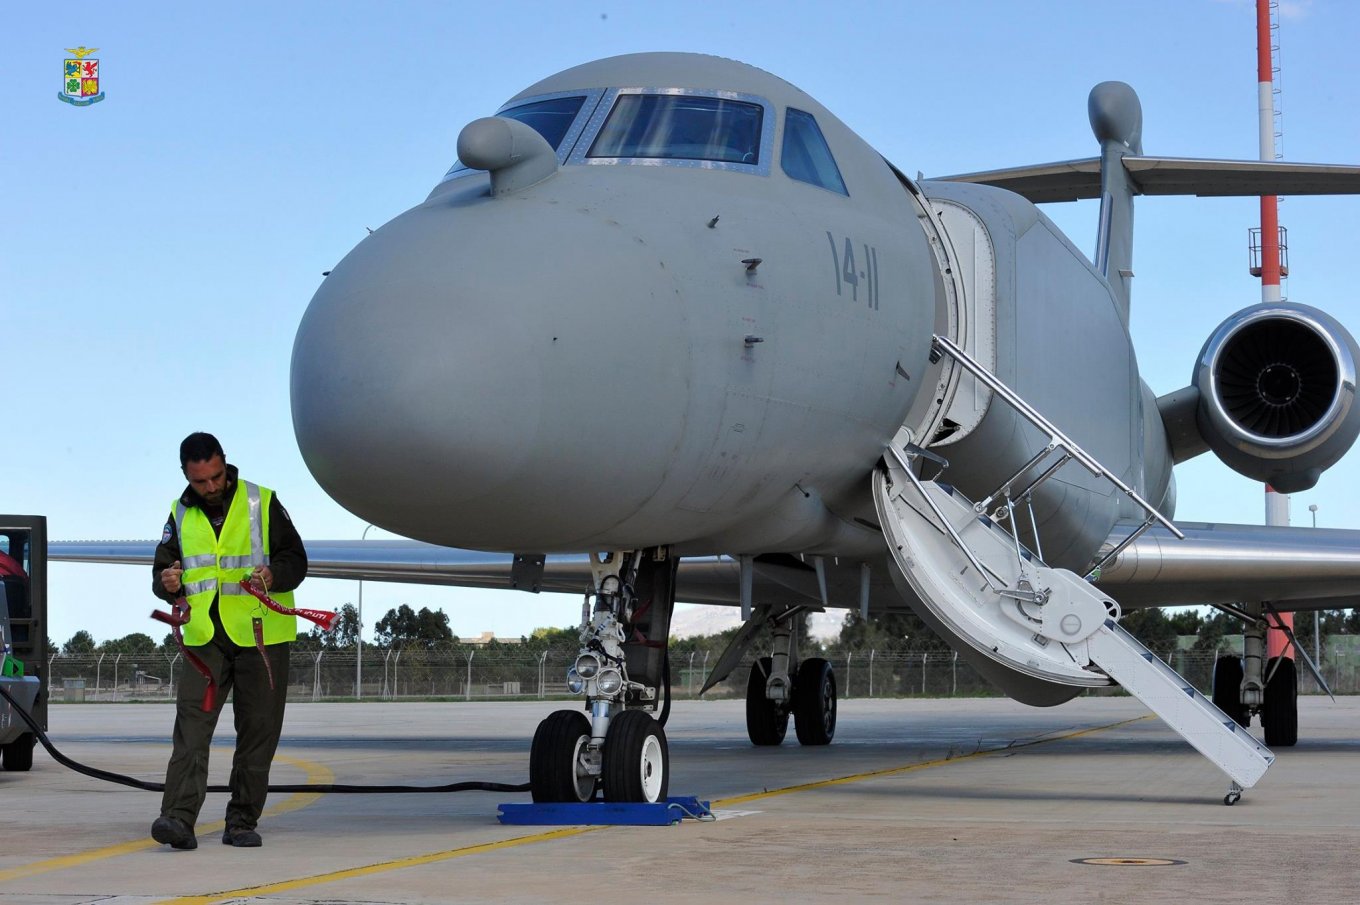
1056,439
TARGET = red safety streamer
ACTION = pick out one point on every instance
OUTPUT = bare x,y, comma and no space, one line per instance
323,618
176,618
258,626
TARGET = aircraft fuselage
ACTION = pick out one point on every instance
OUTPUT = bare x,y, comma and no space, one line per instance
707,353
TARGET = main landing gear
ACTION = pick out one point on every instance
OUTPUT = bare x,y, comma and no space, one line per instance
813,704
1279,699
774,692
617,748
1255,685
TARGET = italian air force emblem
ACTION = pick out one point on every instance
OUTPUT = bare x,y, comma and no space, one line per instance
80,77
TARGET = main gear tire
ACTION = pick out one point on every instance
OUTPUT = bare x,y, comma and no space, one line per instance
1228,689
1280,708
814,702
767,721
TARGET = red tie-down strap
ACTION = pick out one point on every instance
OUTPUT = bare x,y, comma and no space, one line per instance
323,618
257,626
176,618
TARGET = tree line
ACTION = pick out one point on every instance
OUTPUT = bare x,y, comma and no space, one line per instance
404,628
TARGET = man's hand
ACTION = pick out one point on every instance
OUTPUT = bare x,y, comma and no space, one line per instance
262,578
170,578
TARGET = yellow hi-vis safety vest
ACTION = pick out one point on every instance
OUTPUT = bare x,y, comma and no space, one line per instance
215,564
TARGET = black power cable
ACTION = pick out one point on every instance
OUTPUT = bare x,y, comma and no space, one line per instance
120,779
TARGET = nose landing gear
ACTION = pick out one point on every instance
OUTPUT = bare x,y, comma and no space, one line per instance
621,670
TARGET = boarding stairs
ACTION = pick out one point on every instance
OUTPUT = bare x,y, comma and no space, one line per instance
1040,633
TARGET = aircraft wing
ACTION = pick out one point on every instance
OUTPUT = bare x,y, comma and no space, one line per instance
1297,568
704,580
1073,180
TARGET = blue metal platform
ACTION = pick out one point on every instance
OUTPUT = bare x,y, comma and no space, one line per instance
607,813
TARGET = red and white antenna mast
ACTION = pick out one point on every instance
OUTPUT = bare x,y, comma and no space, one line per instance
1272,247
1271,243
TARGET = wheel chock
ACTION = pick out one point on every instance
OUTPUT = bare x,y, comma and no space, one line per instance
605,813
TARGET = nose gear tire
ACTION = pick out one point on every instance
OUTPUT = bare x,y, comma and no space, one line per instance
555,770
636,759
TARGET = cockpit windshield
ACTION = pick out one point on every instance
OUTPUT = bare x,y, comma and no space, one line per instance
549,118
681,126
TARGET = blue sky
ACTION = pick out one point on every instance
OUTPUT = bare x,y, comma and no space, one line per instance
157,249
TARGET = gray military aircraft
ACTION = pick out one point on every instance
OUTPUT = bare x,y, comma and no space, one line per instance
669,329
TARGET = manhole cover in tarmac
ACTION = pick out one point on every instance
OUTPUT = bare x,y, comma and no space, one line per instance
1128,862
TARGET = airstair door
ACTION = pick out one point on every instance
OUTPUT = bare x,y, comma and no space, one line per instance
1041,634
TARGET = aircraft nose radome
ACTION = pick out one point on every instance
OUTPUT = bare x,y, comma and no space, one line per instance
404,387
456,368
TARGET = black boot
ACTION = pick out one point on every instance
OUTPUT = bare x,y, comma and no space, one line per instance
173,832
241,837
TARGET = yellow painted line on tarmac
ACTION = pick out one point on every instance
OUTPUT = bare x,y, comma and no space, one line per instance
316,774
435,857
369,870
924,765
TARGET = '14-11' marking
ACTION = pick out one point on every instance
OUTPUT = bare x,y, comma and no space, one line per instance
848,274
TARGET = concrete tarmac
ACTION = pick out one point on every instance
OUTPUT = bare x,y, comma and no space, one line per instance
962,800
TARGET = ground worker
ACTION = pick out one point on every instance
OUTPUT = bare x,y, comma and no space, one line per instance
222,530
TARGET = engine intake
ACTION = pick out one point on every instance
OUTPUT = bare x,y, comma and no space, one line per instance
1276,386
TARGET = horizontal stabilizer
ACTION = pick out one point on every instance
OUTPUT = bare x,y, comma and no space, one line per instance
1074,180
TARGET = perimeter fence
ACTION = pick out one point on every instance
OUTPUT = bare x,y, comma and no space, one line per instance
480,674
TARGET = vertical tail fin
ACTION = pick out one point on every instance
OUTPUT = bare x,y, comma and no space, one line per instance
1117,121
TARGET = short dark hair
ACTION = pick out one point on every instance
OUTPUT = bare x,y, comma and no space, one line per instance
199,447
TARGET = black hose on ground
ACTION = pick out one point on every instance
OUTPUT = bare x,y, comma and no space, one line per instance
120,779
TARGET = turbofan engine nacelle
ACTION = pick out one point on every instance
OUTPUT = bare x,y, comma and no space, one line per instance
1276,386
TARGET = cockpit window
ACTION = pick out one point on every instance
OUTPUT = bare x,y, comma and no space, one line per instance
550,118
805,155
681,127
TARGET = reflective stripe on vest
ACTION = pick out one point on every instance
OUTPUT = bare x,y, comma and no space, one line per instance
214,564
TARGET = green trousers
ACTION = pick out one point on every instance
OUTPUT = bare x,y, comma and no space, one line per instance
240,672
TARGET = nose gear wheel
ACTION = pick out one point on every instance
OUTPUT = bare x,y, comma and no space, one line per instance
636,759
557,771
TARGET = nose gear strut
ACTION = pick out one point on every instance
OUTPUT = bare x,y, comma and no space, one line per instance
622,670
